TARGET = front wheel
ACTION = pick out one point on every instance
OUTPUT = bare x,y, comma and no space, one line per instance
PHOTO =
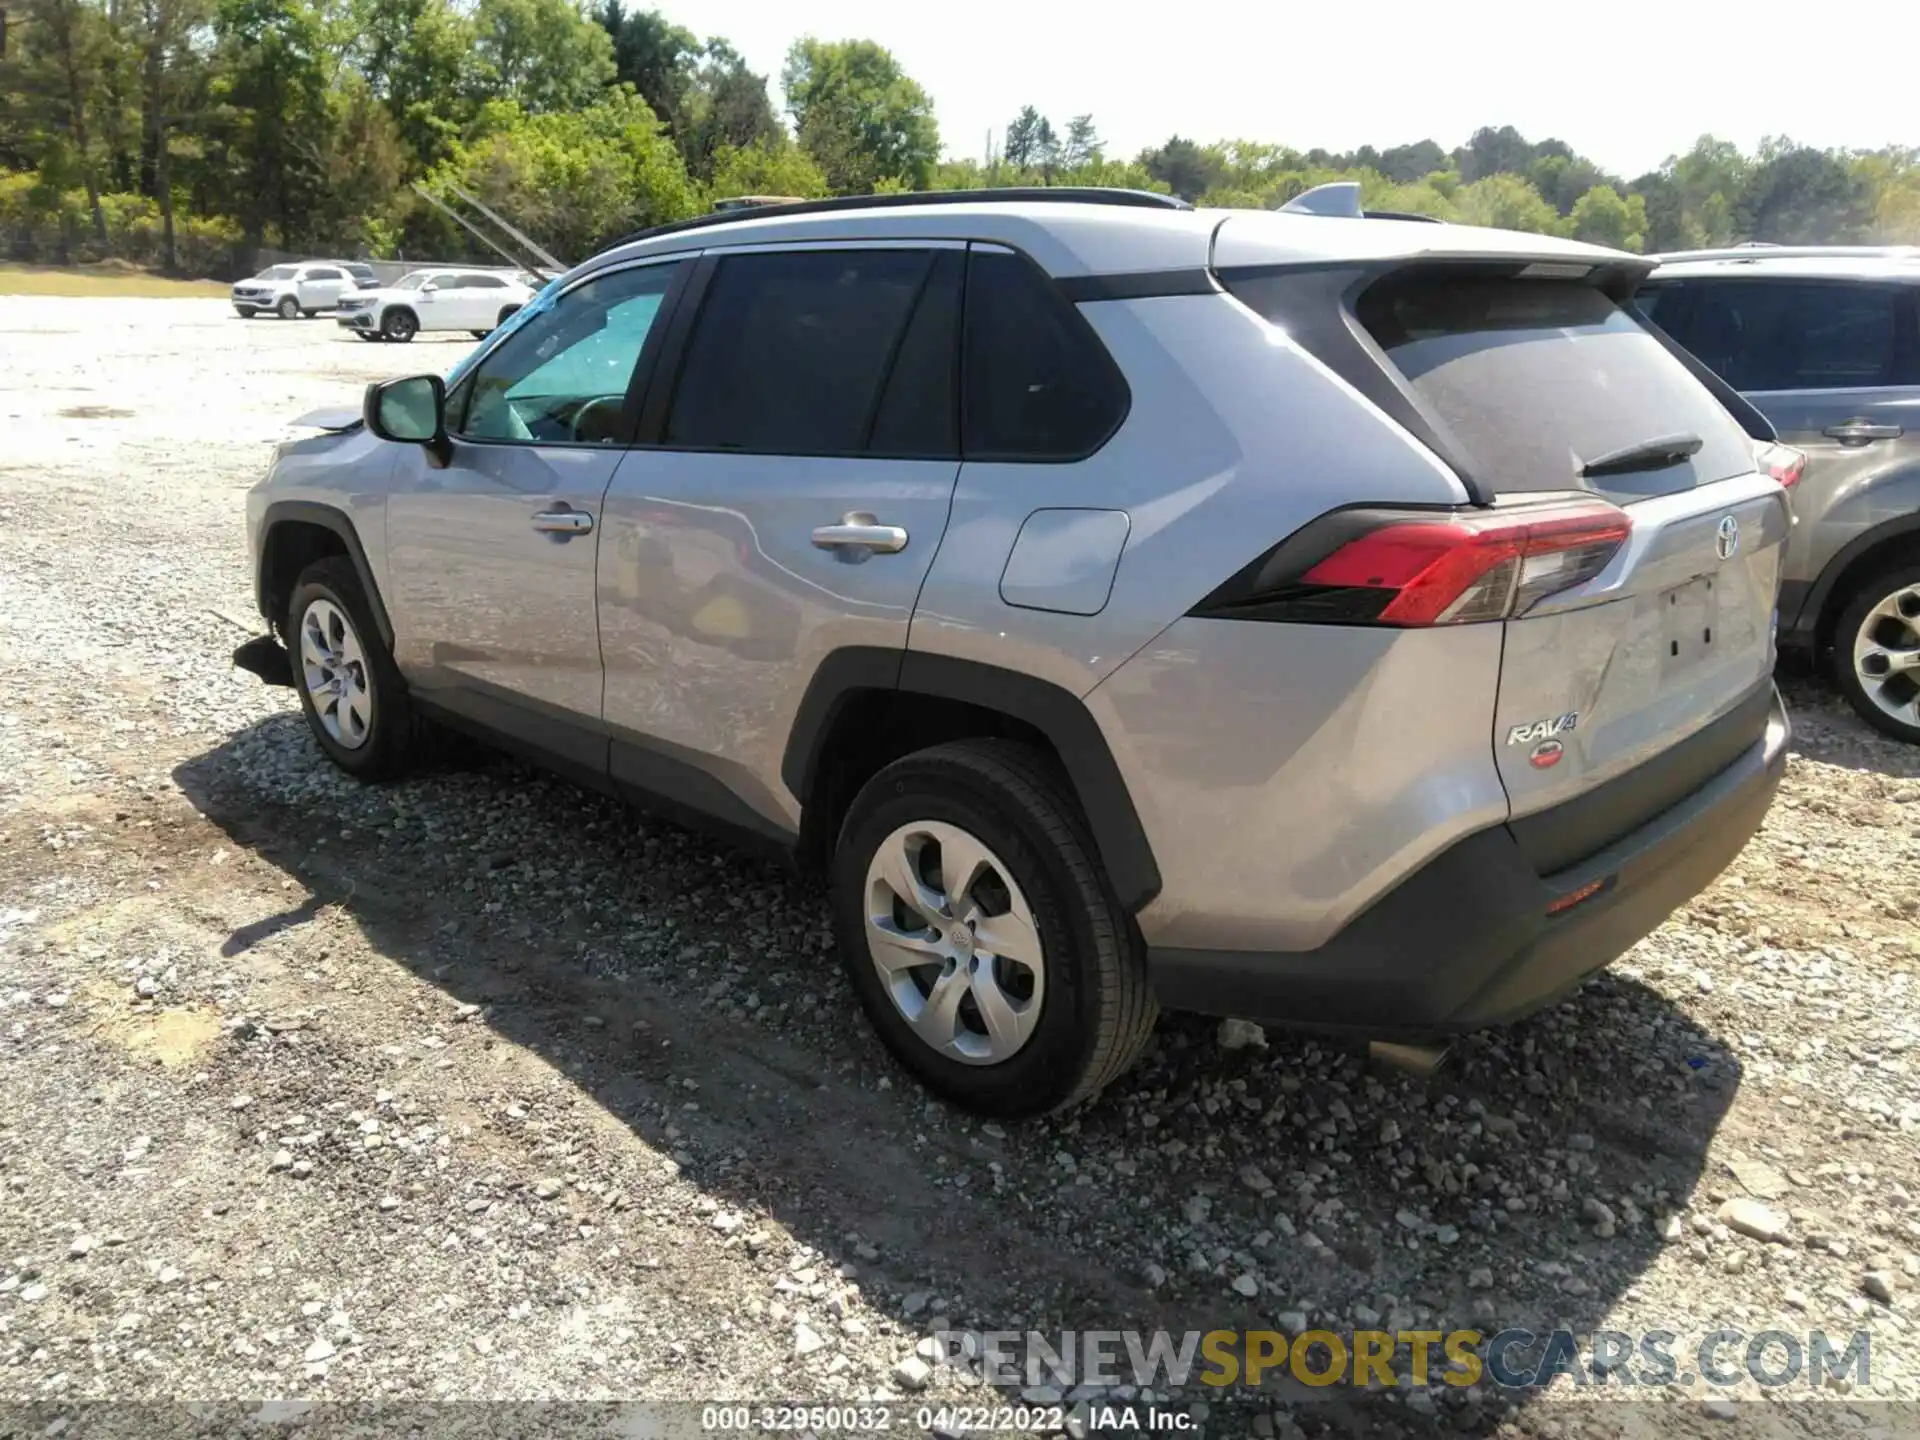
980,934
355,702
399,326
288,308
1876,652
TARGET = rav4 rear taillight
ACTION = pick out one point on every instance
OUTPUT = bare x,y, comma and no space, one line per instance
1782,462
1415,568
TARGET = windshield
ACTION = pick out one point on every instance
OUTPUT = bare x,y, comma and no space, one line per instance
277,272
412,282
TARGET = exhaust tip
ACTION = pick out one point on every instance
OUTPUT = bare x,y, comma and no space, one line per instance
1419,1061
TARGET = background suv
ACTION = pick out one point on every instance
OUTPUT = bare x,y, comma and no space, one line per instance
291,291
472,300
1352,623
1826,343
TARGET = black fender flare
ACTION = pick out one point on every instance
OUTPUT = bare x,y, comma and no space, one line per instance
1058,714
1806,626
310,512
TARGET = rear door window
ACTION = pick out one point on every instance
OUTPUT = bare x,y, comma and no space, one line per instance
790,350
1537,378
1767,335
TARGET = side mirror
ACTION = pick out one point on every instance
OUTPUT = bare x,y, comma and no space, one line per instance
412,411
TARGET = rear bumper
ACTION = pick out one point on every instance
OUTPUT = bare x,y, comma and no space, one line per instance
1468,941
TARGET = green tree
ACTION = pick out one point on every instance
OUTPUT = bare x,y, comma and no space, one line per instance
67,50
575,179
1892,177
1408,164
769,167
1082,144
1030,141
1799,195
859,115
1603,216
271,95
1184,168
1490,151
1506,202
727,108
653,55
417,56
544,55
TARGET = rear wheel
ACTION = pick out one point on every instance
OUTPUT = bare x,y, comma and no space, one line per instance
288,308
355,702
1876,651
980,935
480,334
506,312
399,326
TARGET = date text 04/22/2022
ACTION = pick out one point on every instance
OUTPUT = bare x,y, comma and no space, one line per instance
820,1420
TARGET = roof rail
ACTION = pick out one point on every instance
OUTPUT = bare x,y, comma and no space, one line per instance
1754,250
1008,195
1403,215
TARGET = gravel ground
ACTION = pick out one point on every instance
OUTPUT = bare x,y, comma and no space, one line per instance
481,1087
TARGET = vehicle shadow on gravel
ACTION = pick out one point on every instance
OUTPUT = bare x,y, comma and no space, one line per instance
694,996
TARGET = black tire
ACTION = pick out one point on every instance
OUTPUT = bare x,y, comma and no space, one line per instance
288,308
506,311
399,326
1097,1011
1901,577
308,314
393,733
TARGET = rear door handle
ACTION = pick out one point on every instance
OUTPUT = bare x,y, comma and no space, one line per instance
859,532
564,522
1859,432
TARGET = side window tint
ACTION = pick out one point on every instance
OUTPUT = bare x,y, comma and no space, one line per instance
563,375
919,412
790,349
1658,304
1786,335
483,282
1039,385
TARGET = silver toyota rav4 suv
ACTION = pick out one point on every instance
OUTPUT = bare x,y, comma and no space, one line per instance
1825,341
1350,623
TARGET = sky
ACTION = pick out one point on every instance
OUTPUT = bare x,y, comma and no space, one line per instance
1626,84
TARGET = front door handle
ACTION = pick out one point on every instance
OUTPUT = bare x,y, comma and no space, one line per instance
564,522
1859,432
859,533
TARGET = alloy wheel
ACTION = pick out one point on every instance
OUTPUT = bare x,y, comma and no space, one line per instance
1886,655
333,667
954,941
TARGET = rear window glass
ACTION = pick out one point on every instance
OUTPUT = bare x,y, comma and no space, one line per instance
1536,378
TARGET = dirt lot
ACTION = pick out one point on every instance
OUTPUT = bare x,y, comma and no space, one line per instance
478,1086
